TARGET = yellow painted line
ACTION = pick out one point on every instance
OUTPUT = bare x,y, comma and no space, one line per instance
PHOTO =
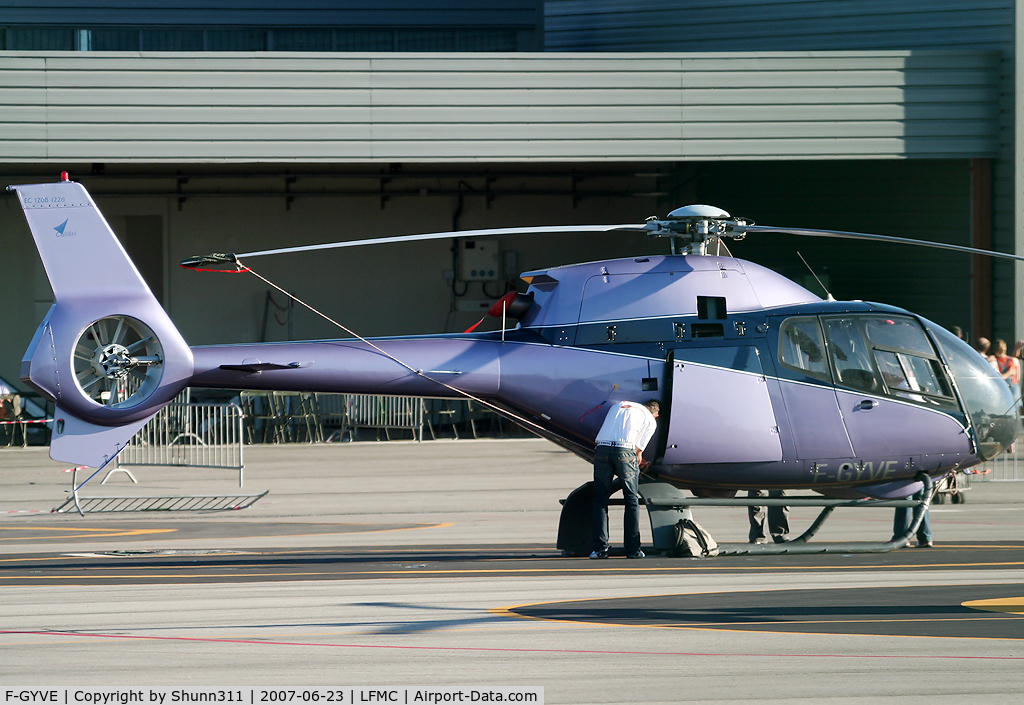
508,612
515,571
105,533
1006,605
90,533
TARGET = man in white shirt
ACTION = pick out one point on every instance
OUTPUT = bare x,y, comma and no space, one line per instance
625,433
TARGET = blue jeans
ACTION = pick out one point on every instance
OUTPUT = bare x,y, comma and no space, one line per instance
611,462
901,522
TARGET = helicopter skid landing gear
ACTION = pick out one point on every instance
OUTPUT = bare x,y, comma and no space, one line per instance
666,505
800,544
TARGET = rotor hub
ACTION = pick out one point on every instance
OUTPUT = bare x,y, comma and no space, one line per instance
692,229
113,361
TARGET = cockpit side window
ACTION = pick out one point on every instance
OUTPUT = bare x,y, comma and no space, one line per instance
849,353
888,355
801,348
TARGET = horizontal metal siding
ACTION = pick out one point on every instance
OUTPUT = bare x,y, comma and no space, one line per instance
271,13
760,25
393,107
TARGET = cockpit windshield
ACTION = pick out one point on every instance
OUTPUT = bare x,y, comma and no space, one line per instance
988,400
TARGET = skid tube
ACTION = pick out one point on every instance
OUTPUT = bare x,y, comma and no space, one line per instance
666,510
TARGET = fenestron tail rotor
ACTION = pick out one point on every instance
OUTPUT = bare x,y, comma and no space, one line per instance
118,362
107,354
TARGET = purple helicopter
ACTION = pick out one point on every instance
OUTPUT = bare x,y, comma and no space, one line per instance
763,385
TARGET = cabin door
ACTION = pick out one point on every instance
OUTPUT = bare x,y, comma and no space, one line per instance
721,415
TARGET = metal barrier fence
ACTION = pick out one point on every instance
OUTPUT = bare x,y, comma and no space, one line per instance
387,413
190,435
282,417
1005,467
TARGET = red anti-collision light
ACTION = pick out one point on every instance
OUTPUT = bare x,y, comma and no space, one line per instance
64,176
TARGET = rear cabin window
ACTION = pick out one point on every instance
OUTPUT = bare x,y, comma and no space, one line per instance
801,348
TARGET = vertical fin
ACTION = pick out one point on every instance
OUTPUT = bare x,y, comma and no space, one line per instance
78,248
106,354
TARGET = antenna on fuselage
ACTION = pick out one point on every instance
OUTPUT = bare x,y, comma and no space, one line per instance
828,294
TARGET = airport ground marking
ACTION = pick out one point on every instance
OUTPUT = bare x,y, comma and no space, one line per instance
496,649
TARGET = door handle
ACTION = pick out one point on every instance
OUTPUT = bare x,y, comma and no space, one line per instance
868,404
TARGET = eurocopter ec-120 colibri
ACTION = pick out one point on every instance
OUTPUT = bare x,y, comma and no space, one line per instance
762,384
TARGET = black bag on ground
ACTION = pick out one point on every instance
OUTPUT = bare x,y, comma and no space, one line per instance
693,540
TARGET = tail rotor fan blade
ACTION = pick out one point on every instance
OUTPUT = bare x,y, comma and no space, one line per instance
117,362
119,331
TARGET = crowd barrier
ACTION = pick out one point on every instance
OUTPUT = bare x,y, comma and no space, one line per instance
1005,467
189,435
290,417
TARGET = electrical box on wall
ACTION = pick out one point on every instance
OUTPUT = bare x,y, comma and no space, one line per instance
479,260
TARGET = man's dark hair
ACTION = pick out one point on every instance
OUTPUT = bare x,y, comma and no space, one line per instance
653,406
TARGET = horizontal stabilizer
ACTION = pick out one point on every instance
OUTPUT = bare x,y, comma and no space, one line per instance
261,366
83,443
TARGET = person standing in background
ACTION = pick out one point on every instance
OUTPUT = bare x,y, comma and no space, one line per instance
1009,368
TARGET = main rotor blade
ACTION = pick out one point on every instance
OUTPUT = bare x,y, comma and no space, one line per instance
879,238
452,233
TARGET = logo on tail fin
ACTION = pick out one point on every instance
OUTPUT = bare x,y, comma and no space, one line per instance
60,230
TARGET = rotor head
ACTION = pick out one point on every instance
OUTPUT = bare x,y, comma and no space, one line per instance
693,228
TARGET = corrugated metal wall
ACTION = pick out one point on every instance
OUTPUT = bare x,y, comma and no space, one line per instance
254,13
763,25
270,25
118,107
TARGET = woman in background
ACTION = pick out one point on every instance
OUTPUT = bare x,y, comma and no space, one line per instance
1009,368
